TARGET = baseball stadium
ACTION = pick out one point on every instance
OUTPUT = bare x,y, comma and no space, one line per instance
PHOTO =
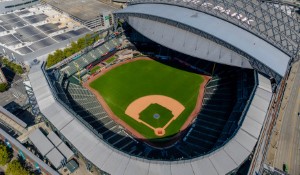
179,87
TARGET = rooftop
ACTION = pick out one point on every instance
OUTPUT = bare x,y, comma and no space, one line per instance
83,9
35,31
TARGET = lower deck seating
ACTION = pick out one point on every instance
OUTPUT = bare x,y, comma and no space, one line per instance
225,96
90,57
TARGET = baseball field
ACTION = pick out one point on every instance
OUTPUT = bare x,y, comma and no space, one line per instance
152,98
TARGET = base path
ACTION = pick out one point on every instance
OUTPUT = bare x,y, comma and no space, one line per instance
137,106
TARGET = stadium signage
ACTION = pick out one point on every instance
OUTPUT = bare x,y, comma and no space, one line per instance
221,10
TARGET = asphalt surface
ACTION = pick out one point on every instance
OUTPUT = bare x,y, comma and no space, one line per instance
288,143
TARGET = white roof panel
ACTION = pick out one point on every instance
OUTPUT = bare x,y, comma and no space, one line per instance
159,168
182,168
56,114
42,92
54,138
41,142
115,163
260,103
256,114
55,157
99,154
136,167
65,150
214,52
236,151
245,140
222,162
122,166
48,107
203,167
84,142
264,83
252,127
48,102
190,42
264,94
61,119
176,39
72,130
37,79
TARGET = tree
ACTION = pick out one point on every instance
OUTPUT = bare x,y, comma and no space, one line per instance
3,87
5,61
50,60
16,168
16,68
19,69
75,47
81,43
5,154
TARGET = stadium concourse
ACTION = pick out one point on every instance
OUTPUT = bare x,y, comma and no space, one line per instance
236,99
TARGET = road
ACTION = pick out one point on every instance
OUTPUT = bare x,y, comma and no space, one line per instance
287,147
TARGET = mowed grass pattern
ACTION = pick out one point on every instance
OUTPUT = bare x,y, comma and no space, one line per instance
128,82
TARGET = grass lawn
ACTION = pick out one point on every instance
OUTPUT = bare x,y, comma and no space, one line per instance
148,114
123,84
94,69
111,59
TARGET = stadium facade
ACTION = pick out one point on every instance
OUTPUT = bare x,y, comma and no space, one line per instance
243,41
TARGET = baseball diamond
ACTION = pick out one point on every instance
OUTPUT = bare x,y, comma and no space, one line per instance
142,108
135,91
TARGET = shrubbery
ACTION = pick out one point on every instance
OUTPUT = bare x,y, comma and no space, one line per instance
16,168
5,154
12,66
3,87
60,55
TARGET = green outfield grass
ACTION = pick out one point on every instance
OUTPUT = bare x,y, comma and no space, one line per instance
123,84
